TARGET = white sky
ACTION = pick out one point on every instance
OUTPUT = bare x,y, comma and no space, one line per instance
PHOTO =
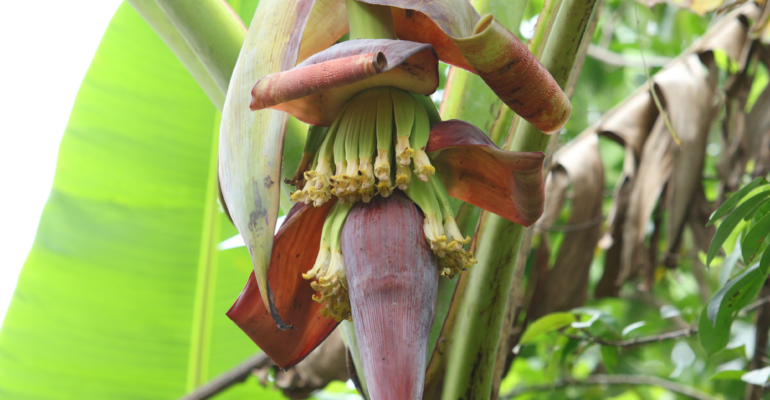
47,46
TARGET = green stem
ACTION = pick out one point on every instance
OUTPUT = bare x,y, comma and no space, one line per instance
213,31
558,54
543,25
349,338
501,132
467,97
167,32
369,21
477,335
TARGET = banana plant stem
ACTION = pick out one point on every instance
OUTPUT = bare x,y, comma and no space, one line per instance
466,96
214,32
369,21
161,24
477,335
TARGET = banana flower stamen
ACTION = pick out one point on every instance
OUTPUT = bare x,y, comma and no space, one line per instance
328,273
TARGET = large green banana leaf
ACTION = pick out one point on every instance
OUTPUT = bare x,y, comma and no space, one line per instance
124,292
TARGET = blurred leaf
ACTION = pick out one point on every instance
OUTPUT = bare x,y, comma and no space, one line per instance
569,348
610,357
728,225
717,317
753,241
731,202
627,395
682,356
758,86
607,323
757,377
729,263
555,360
725,62
123,293
764,263
630,328
548,323
728,375
669,311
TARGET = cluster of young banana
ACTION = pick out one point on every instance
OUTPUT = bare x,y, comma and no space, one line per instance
328,272
440,227
342,167
364,131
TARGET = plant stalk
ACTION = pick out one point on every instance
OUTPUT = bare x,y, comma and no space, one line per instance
213,31
349,338
477,335
161,24
517,298
467,97
506,117
369,21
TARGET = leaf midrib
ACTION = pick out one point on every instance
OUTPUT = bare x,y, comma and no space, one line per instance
200,339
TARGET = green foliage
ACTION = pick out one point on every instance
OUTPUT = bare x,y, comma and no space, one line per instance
718,315
727,226
546,324
730,203
728,375
610,357
124,292
750,246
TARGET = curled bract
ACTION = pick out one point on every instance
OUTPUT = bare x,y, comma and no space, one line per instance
484,46
295,248
475,170
316,90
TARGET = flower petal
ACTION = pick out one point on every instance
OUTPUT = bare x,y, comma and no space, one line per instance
316,90
484,46
393,281
294,252
474,170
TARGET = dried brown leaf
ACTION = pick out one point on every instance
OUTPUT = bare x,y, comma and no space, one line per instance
688,90
577,165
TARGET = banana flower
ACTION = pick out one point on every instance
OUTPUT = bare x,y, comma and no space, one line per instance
353,246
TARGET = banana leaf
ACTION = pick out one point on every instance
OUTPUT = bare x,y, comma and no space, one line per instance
124,291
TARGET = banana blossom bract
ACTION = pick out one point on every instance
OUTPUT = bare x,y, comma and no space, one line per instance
315,81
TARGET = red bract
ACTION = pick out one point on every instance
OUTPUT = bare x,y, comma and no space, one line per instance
475,170
317,89
393,284
294,250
